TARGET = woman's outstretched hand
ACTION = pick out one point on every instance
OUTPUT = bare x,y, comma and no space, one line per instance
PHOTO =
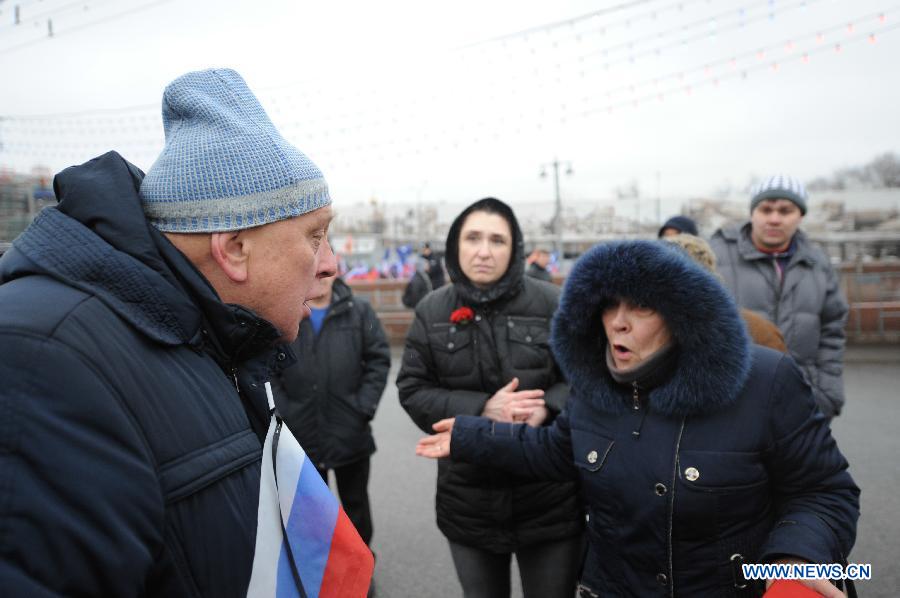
437,446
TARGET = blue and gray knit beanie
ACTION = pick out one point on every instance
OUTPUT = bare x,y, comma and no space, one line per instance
780,187
225,166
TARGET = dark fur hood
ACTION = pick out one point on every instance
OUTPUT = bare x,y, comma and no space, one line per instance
713,347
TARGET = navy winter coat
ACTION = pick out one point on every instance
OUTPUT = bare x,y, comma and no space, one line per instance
330,396
130,460
727,461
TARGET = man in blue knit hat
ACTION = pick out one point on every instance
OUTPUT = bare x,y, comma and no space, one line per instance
772,268
142,319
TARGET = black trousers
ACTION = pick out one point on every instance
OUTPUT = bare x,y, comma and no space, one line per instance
353,490
548,570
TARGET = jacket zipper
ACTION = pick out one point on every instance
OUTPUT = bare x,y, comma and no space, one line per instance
234,379
672,508
780,287
635,397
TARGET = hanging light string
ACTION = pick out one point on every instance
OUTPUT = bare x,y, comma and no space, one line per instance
733,20
54,32
336,133
568,23
733,62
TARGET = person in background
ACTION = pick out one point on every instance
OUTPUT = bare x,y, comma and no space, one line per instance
677,225
771,267
696,450
418,286
329,398
762,331
479,346
538,262
433,266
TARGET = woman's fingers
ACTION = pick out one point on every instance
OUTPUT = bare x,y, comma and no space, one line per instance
527,403
444,425
526,394
512,386
435,446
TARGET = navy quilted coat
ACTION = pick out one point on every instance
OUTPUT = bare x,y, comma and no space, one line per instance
129,461
727,461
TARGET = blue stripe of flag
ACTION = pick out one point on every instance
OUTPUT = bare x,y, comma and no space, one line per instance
284,580
310,529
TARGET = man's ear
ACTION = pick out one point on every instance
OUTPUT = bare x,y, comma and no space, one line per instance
230,251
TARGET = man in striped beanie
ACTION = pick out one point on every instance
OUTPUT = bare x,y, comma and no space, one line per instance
772,268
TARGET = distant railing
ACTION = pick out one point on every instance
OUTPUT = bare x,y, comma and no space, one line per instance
872,289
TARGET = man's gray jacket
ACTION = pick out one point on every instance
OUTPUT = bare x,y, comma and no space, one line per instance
808,306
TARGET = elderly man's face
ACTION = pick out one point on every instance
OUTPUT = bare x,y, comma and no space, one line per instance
289,257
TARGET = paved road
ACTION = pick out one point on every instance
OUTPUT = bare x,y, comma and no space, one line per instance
414,561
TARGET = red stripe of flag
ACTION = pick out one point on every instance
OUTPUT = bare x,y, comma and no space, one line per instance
348,572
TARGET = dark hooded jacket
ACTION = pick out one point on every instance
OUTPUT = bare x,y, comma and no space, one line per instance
726,460
453,369
329,397
133,406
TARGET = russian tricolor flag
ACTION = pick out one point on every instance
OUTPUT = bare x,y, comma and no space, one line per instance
306,547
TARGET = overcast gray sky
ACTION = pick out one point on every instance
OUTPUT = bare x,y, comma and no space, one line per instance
420,101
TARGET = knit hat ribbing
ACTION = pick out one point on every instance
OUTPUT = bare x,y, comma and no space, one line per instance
780,187
225,166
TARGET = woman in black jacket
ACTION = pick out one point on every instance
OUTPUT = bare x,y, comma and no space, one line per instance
697,452
480,346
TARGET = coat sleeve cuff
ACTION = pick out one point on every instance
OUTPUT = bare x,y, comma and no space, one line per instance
466,443
802,535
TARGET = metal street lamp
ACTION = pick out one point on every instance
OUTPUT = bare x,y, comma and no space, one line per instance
556,223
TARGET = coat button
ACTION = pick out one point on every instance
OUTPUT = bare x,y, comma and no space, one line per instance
660,489
528,339
592,457
511,324
282,357
662,578
315,387
450,345
477,318
691,474
452,329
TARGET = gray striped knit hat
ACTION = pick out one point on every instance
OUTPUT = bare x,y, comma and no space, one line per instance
780,187
225,166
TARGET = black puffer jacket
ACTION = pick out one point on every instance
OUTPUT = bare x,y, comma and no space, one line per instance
130,462
330,396
725,461
451,370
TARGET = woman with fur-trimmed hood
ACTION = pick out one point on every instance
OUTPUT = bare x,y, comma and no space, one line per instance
697,452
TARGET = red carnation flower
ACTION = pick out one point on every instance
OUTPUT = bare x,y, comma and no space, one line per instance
463,315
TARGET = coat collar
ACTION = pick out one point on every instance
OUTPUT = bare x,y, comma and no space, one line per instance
713,347
803,252
98,240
